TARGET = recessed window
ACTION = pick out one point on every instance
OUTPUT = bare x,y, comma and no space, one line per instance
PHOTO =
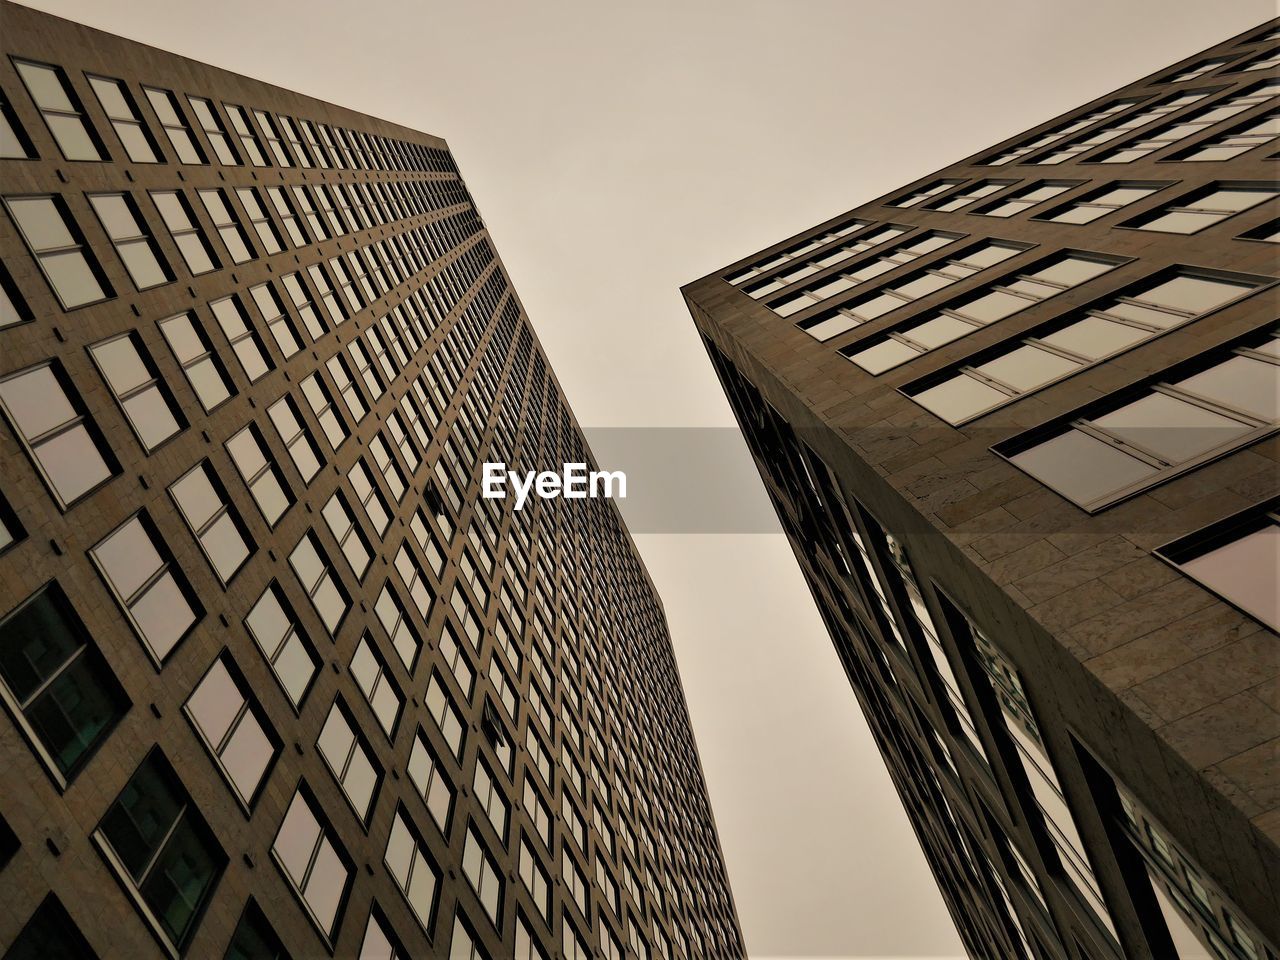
248,139
57,681
260,220
921,194
200,365
370,498
1041,140
234,728
1194,212
1238,559
147,584
1025,199
120,109
1064,346
1099,203
274,627
215,133
296,437
1119,128
255,937
228,227
379,941
350,759
52,424
59,249
391,614
137,388
273,138
410,865
61,110
315,574
279,323
300,297
1198,69
448,721
490,798
1268,232
321,403
374,680
128,234
50,932
482,873
1145,435
975,311
180,220
341,373
429,780
351,541
307,849
260,474
284,208
160,843
962,198
174,125
215,524
1171,134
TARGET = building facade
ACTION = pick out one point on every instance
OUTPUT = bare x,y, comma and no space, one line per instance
277,681
1019,423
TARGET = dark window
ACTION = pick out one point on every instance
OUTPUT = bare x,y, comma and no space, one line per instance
160,841
57,680
255,938
50,933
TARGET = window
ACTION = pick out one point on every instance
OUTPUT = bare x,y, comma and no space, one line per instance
248,139
306,848
156,838
351,541
379,941
391,614
987,306
963,198
1065,346
260,474
228,227
349,759
448,720
1026,198
535,880
482,874
147,584
61,110
233,727
215,133
337,367
50,932
279,324
315,574
375,508
274,628
1146,434
462,946
1172,134
490,798
921,194
1194,212
1196,70
902,292
244,341
214,523
200,365
1240,139
430,781
135,384
1015,154
134,245
187,235
410,865
321,403
285,211
537,811
374,680
1118,128
121,111
255,937
855,276
574,881
312,318
260,219
296,437
1268,232
1238,559
1099,203
56,681
174,125
59,249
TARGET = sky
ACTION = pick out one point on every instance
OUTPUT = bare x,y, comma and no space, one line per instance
619,150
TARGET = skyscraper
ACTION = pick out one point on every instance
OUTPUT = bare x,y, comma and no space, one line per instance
277,680
1019,422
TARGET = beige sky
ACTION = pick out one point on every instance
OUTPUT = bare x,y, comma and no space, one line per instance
619,150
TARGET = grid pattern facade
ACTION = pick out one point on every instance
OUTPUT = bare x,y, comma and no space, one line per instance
277,681
1019,422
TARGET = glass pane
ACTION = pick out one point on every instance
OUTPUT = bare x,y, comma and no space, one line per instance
1241,383
959,398
176,885
1194,294
34,642
140,260
294,844
400,849
1171,428
1028,367
360,782
36,401
936,332
45,86
306,563
73,463
121,364
326,885
72,138
329,603
831,327
141,816
295,667
1072,271
150,415
1246,572
268,622
208,384
71,278
1094,337
1180,222
215,703
1080,467
247,755
226,547
270,497
422,889
129,557
163,615
117,219
994,306
196,497
75,710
